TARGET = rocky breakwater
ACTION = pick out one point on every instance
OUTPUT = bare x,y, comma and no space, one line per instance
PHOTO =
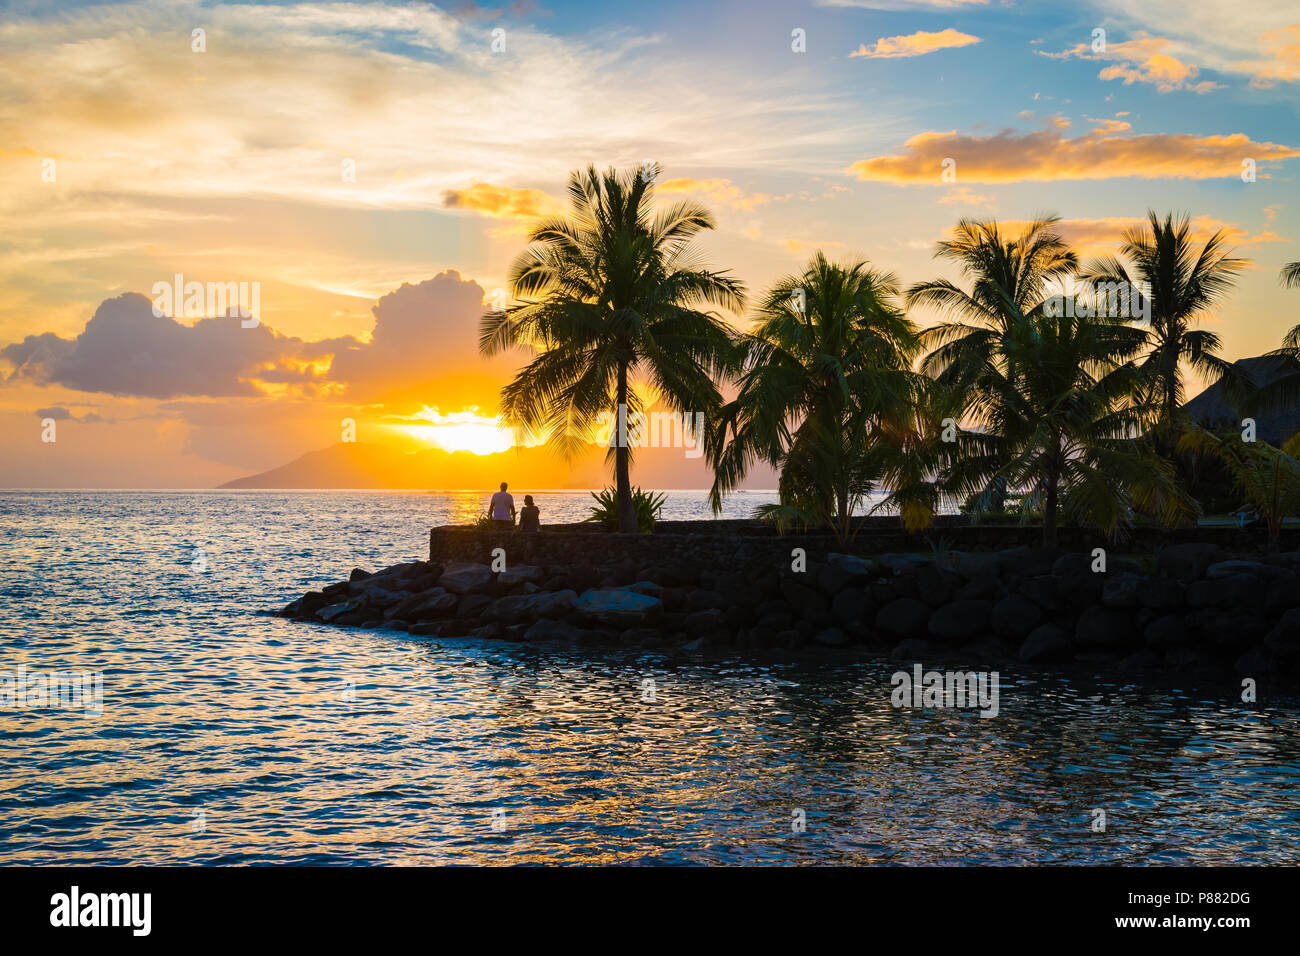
1202,610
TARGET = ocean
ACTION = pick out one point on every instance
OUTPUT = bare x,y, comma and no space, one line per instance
230,737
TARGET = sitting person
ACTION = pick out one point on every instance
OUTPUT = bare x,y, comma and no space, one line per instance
529,516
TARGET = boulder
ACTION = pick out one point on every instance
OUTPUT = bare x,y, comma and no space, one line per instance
807,602
333,611
1187,562
935,586
851,606
521,574
461,578
960,621
1143,659
1235,591
832,637
1122,590
917,649
902,563
519,608
1047,642
1102,627
904,617
472,605
1015,616
709,621
701,600
1044,591
1161,594
851,564
1165,631
621,609
549,630
358,575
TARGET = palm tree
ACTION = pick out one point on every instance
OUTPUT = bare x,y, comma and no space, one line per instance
1010,278
608,295
1284,389
1063,409
1291,274
827,365
1268,476
1185,284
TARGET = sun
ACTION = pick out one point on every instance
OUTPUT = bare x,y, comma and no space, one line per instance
460,431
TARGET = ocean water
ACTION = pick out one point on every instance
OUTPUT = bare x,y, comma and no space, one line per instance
228,737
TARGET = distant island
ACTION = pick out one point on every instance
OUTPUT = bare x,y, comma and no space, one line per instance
370,465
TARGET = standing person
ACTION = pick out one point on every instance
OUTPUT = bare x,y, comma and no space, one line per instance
530,516
502,509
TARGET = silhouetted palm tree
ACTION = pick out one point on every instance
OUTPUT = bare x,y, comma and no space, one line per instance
607,295
1063,407
827,365
1186,284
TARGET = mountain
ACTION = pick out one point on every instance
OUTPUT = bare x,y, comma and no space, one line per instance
1212,409
362,465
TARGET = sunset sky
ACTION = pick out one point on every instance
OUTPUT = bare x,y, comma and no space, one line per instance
227,165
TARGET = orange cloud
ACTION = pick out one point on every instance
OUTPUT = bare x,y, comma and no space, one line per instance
500,202
964,196
1145,61
915,44
1283,46
1089,235
1046,156
719,190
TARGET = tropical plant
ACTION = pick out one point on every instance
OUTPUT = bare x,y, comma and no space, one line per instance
611,294
1185,284
1268,476
1010,279
1284,388
827,364
646,505
1063,409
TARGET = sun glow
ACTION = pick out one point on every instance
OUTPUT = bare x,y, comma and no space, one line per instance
460,431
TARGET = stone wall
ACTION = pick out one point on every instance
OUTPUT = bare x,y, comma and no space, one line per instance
740,543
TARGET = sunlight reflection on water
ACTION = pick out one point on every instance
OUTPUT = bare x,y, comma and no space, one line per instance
210,707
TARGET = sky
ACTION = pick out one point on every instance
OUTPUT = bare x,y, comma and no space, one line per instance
374,168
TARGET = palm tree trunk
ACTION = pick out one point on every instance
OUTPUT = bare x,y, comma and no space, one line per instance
622,464
1049,512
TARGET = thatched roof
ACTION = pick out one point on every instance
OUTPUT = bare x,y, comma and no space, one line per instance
1273,425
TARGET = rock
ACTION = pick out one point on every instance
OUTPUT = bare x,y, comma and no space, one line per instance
1284,638
461,578
1227,629
1046,642
701,600
1143,659
776,622
333,591
1283,594
1072,563
1121,590
807,602
491,631
917,649
695,645
1015,616
832,579
548,630
1080,589
1257,662
1161,594
934,586
519,608
1103,627
1226,569
904,617
1234,591
472,605
433,607
637,636
406,607
987,584
987,650
832,637
1188,659
1165,632
851,606
358,575
852,565
333,611
520,574
1044,591
1186,562
902,563
709,621
621,609
960,621
651,589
